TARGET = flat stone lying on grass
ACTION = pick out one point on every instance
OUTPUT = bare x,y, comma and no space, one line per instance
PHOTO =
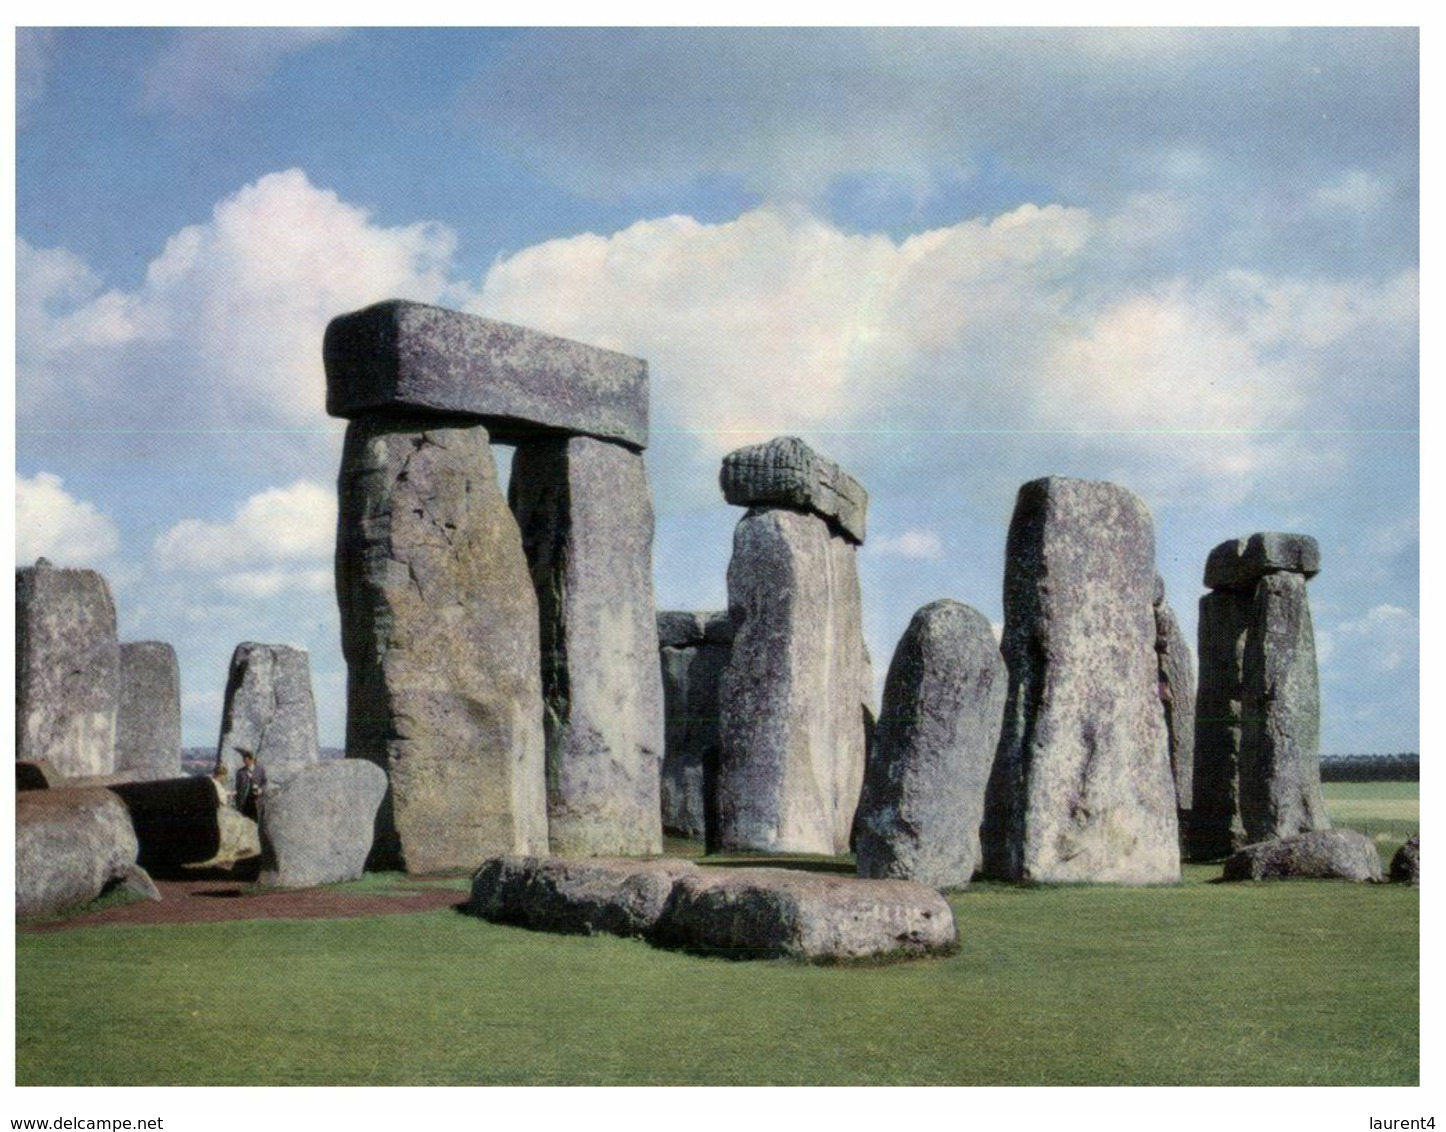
1406,864
316,828
181,821
70,845
1323,854
617,896
744,913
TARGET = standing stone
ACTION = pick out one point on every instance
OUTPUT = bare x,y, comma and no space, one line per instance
586,516
316,828
67,669
923,796
148,723
693,651
440,633
1177,697
1406,864
1280,792
1257,770
1081,788
269,710
795,693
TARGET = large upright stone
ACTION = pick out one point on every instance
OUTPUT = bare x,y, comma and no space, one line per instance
269,710
1280,791
693,650
1081,788
148,723
440,633
1177,698
786,472
923,797
586,516
402,358
67,669
795,694
1214,829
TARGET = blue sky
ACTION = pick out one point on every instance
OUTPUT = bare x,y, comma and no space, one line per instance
953,260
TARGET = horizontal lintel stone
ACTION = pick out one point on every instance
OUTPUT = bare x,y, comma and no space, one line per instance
786,472
1241,562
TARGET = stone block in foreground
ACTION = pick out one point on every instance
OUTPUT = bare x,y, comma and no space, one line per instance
786,472
616,896
70,845
405,357
316,828
1325,854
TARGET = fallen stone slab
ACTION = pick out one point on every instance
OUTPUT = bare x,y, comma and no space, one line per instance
70,846
269,710
317,827
923,796
1406,864
148,719
786,472
1326,854
182,821
1239,563
440,633
67,669
615,896
777,913
399,356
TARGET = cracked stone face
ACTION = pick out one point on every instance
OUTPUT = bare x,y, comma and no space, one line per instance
440,633
269,710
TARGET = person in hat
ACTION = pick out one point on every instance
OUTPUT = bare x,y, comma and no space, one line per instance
250,786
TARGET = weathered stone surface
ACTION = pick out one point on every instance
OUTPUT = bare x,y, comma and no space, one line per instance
38,775
619,897
786,472
1177,697
317,827
406,357
693,651
923,796
1081,788
148,722
1326,854
67,669
440,633
269,710
1406,864
796,688
1280,793
1215,829
771,913
182,821
586,515
70,845
1241,562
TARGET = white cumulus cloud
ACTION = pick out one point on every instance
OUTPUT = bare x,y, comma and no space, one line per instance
916,543
51,523
272,530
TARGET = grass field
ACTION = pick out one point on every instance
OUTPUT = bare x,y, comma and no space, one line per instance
1299,984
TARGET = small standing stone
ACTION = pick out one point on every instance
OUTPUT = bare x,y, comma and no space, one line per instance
316,828
693,651
269,710
1177,697
148,725
67,669
923,796
1406,864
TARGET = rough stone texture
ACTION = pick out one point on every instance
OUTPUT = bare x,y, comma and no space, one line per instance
1326,854
1177,697
182,821
148,722
1215,830
70,845
923,796
67,669
404,357
269,710
786,472
39,775
769,913
586,515
1280,792
794,696
619,897
317,827
440,633
1406,864
1239,563
1081,788
693,652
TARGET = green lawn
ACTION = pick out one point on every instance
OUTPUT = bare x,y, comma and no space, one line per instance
1388,811
1299,984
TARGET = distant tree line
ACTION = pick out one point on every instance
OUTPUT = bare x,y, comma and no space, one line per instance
1402,767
